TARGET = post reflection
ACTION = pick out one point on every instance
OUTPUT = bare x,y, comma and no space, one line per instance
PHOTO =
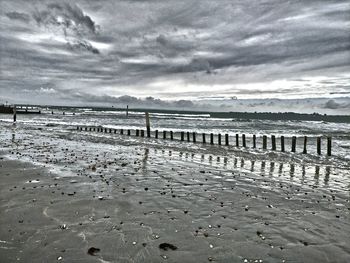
280,169
252,164
272,168
145,159
327,174
292,170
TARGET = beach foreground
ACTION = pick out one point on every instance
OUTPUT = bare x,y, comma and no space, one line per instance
70,198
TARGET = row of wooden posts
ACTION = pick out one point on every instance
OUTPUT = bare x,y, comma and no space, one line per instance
188,135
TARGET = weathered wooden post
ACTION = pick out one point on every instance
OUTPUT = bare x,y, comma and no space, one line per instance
194,137
14,114
127,110
164,134
226,140
129,133
243,140
282,143
105,130
188,136
156,134
142,133
182,136
137,132
148,125
219,138
86,129
319,145
254,141
115,131
329,146
273,142
203,138
171,135
211,138
78,128
264,142
237,140
294,143
305,145
110,130
121,131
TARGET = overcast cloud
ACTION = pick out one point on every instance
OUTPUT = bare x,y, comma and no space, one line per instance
57,52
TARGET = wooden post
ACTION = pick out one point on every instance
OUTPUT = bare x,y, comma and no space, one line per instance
243,140
219,138
78,128
282,143
226,139
121,131
127,110
156,135
294,143
110,130
188,136
264,142
171,135
211,138
319,145
194,137
254,141
14,114
86,128
273,142
329,146
105,130
148,126
129,132
137,132
142,133
182,136
203,138
115,131
164,134
237,140
305,145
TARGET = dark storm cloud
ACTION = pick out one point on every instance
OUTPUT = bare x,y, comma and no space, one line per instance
69,16
18,16
176,48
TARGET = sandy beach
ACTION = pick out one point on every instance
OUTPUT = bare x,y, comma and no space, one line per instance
73,197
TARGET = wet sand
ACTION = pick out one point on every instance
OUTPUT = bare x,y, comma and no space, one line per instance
143,203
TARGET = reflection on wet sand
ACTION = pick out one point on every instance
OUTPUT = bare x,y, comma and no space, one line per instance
252,163
298,173
144,159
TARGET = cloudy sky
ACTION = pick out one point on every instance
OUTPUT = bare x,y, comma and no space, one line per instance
90,51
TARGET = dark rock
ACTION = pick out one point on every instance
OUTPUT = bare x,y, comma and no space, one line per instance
93,250
167,246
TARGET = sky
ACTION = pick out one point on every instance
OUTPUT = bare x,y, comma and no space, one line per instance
115,51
